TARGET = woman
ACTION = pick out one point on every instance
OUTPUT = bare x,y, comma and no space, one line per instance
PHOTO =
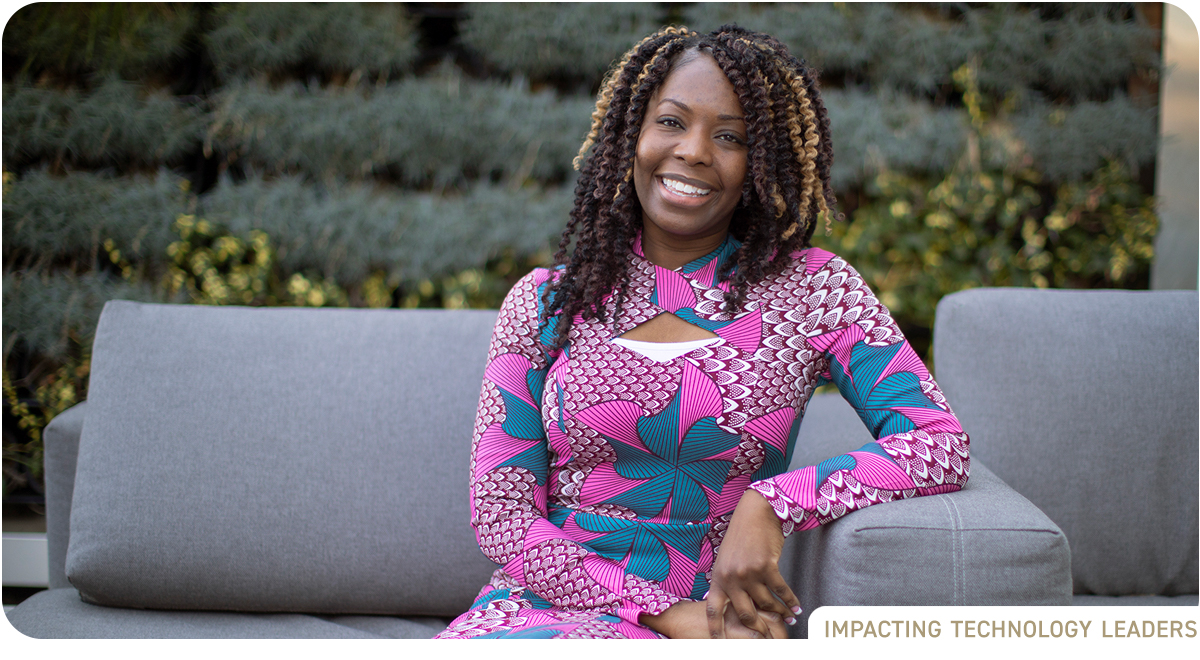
642,398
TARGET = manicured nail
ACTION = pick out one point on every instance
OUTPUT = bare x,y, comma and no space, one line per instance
791,621
796,610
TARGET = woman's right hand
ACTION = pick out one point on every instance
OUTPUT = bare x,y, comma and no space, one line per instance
688,619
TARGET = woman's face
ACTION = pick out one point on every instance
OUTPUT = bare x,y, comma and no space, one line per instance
691,153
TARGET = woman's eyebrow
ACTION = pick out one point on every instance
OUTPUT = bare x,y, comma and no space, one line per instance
685,107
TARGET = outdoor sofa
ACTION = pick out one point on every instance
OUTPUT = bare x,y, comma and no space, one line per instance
288,473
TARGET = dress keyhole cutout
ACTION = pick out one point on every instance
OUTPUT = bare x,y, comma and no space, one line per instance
666,328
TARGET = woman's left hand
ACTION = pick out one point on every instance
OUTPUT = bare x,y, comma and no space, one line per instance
746,575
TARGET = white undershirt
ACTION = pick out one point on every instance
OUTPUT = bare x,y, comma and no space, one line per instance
664,351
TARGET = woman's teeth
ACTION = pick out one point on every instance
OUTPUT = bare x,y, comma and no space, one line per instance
684,189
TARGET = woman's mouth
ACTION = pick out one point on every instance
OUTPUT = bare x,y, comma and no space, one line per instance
683,191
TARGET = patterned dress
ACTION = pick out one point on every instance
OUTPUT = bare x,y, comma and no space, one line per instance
602,481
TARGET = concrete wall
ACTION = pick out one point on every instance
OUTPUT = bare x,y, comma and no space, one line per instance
1177,178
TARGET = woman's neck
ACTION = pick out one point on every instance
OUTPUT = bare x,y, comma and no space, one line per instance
672,252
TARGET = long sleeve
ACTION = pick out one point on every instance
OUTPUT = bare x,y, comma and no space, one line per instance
920,448
511,461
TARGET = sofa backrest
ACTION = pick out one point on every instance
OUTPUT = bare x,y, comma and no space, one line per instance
1085,402
279,460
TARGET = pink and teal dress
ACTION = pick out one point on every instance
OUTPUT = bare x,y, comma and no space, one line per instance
603,480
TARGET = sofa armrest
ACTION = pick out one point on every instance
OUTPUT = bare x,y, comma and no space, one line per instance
983,545
61,439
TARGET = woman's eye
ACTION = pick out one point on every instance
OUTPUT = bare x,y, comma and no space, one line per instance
671,122
729,137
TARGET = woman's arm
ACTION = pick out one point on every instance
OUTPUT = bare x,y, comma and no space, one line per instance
920,448
510,464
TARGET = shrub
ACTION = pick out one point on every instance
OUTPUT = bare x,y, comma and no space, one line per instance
65,220
116,125
1070,142
71,39
281,38
442,130
994,221
1085,51
873,131
577,41
346,233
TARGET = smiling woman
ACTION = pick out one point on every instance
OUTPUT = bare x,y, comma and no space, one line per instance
629,473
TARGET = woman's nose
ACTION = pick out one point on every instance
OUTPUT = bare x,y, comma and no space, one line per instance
694,148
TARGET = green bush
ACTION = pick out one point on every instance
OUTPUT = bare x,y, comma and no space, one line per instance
1070,142
54,314
64,221
994,221
576,41
281,38
117,124
441,130
873,131
346,233
72,39
1085,51
1093,49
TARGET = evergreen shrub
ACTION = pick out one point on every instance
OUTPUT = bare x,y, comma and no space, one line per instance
1069,143
575,41
72,39
117,124
1076,50
885,129
993,220
64,220
347,232
442,130
54,314
283,38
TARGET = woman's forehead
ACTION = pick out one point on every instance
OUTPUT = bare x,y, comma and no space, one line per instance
699,78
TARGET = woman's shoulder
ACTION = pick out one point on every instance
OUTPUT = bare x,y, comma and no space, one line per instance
525,299
812,260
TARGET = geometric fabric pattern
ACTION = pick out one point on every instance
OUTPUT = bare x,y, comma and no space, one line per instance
602,481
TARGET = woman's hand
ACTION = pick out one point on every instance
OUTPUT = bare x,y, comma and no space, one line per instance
746,581
688,619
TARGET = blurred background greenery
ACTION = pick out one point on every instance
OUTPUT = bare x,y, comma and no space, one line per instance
418,155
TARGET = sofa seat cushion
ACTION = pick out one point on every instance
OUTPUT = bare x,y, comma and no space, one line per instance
279,460
61,614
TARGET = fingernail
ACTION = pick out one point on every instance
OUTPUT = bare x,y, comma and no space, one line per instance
796,610
791,621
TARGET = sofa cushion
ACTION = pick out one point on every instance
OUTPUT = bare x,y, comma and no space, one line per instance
983,545
60,614
61,443
279,460
1086,403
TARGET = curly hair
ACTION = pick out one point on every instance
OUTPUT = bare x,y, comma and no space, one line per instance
785,191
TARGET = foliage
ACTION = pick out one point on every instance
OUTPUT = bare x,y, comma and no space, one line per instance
116,124
442,129
345,233
1068,143
280,38
576,41
1084,50
993,221
51,220
70,39
872,131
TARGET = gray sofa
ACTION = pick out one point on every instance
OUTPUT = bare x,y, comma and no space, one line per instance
291,473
